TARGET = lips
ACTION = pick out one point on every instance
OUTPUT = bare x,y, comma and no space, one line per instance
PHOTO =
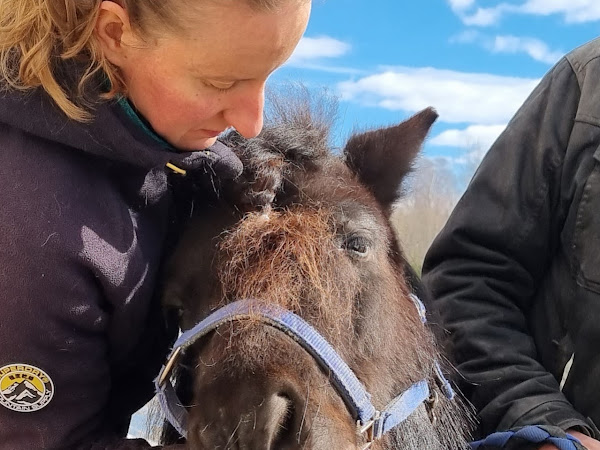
210,133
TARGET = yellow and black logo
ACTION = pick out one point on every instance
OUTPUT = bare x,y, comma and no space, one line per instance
24,388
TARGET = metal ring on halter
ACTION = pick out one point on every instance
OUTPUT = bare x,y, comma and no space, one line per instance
432,401
369,430
168,367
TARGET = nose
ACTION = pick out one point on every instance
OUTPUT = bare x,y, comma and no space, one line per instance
245,113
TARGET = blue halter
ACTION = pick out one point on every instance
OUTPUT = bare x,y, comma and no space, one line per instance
371,421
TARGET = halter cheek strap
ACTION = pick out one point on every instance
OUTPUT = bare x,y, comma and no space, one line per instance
372,422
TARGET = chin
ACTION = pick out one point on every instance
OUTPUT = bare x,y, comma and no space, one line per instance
190,145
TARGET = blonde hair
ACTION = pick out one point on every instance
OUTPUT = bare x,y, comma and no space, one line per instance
35,35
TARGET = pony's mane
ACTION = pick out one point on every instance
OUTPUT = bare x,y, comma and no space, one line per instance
295,136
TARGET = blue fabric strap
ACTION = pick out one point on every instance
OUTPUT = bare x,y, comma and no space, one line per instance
420,307
443,382
398,410
173,410
348,386
532,434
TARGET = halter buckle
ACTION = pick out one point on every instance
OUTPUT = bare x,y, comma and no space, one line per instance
369,429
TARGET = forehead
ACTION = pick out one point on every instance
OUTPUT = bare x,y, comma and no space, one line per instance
221,37
330,184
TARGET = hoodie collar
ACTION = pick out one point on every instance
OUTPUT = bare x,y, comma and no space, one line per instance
141,122
115,132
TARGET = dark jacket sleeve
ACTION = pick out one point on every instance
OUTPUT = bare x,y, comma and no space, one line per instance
483,270
54,314
54,322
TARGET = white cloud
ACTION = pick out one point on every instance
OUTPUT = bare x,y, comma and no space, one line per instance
474,15
573,11
311,49
477,138
535,48
326,68
484,17
460,5
469,36
459,97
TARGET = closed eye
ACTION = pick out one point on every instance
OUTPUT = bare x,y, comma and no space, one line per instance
221,86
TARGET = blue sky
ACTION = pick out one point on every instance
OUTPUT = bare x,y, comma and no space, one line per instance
475,61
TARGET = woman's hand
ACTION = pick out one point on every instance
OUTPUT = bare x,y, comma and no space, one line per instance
588,442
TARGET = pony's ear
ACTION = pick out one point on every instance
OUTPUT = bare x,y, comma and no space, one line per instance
381,158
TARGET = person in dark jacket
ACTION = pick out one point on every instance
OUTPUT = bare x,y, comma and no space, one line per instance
103,102
515,273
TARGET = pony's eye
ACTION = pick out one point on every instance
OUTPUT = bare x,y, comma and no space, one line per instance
358,245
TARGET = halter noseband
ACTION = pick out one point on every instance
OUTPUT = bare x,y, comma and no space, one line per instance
371,422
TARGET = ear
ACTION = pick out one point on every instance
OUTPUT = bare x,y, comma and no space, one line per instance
113,32
381,158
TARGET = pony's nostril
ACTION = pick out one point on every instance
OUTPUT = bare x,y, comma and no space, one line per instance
282,420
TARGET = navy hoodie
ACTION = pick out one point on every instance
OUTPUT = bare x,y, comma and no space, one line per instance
83,222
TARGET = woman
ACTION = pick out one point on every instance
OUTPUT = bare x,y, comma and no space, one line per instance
103,102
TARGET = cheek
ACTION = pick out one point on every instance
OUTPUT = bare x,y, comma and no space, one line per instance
164,107
171,108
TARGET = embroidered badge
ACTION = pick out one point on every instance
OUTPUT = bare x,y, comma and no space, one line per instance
24,388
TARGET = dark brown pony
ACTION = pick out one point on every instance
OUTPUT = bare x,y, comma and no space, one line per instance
309,230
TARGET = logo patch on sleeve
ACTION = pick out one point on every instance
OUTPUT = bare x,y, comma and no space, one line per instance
24,388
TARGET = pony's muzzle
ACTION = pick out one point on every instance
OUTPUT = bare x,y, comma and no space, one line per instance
262,417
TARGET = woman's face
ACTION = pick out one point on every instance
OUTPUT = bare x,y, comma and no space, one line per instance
193,86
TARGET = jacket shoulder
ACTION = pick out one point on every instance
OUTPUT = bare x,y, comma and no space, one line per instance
583,55
585,63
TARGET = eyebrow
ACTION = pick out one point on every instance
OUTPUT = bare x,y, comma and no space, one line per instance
197,71
221,79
